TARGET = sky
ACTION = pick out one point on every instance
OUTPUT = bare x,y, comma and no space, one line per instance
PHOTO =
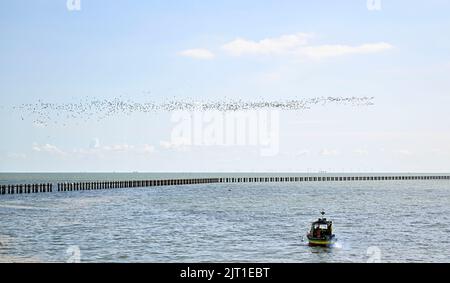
397,52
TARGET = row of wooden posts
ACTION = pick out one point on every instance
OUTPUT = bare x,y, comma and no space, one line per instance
26,188
82,186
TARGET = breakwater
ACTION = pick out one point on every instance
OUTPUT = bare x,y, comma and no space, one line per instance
121,184
26,188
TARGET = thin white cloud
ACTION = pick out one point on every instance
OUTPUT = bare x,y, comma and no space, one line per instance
361,151
125,148
325,51
95,143
95,149
178,145
147,148
14,155
118,148
277,45
404,152
199,53
298,45
440,152
48,148
302,153
329,152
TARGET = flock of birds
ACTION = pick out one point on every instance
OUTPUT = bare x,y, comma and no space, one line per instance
44,113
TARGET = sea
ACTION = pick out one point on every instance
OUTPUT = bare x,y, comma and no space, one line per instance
374,221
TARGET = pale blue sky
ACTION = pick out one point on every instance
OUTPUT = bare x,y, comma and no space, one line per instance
151,50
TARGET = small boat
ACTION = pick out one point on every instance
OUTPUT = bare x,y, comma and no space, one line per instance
321,233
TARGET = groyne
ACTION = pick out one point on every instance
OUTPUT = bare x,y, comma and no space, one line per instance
121,184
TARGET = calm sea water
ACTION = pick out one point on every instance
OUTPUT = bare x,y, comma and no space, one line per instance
387,221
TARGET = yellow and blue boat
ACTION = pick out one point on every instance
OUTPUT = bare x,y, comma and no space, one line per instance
321,233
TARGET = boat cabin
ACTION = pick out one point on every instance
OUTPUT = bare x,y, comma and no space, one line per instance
321,228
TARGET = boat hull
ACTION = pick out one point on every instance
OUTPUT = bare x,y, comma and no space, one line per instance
321,242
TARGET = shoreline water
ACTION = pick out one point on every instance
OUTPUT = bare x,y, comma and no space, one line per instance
235,221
